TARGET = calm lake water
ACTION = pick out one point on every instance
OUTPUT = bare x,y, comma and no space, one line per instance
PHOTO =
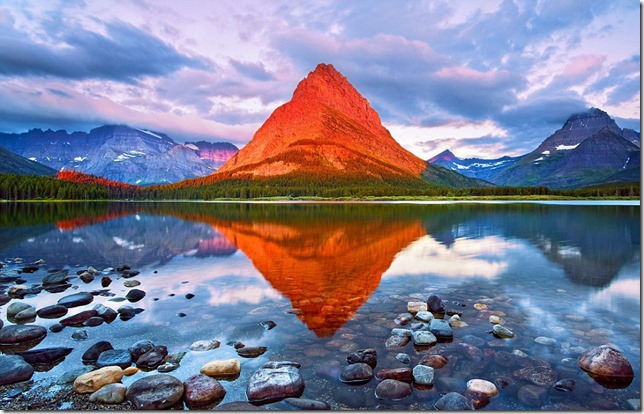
333,277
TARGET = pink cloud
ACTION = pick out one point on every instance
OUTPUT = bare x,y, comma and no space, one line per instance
583,65
463,73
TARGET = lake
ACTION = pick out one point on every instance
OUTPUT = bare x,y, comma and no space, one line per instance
333,278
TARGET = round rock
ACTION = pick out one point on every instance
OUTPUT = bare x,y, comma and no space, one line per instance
95,380
483,386
155,392
135,295
18,334
391,389
52,312
221,368
453,401
119,357
502,332
275,381
307,404
423,338
13,368
356,373
606,365
109,394
202,390
77,299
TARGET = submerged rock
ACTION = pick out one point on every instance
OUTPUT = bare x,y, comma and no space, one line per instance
369,356
109,394
275,381
155,392
483,386
502,332
202,390
398,374
356,373
607,366
92,353
307,404
77,299
441,329
45,355
13,368
453,401
393,390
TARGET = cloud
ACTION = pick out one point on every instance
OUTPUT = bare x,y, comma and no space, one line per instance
123,53
255,71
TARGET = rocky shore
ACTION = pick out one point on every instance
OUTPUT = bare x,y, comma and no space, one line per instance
423,366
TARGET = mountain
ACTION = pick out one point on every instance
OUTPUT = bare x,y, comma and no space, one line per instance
116,152
326,134
11,163
214,153
480,168
588,149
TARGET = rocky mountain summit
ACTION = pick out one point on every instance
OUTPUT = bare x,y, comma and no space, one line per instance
118,152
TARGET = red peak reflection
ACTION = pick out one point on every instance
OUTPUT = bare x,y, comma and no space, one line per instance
326,269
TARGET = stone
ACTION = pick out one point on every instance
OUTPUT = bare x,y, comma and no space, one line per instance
478,399
131,283
95,380
91,355
391,389
502,332
441,329
45,356
415,307
479,306
435,304
566,384
105,312
75,300
434,361
398,374
20,311
307,404
78,319
496,320
536,371
403,358
109,394
55,328
200,390
204,345
423,338
189,296
54,278
356,373
221,368
483,386
424,316
129,371
237,406
119,357
453,401
94,321
401,332
403,319
135,295
140,347
471,351
153,358
167,367
423,375
607,366
251,351
126,312
86,277
80,335
155,392
129,273
13,368
20,334
369,356
69,377
52,312
544,340
275,381
268,325
532,395
176,357
106,281
396,341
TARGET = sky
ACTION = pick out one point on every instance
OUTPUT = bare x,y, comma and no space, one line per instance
480,77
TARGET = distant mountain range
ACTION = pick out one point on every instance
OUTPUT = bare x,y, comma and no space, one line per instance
120,153
11,163
589,149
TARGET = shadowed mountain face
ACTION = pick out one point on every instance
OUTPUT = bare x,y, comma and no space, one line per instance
11,163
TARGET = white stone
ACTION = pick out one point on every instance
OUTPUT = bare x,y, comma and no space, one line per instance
423,375
544,340
415,307
480,385
494,319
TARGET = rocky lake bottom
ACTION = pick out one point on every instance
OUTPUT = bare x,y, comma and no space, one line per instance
484,354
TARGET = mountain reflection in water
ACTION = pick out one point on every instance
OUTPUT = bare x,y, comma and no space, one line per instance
327,259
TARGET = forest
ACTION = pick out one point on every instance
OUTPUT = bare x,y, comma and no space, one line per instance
77,186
